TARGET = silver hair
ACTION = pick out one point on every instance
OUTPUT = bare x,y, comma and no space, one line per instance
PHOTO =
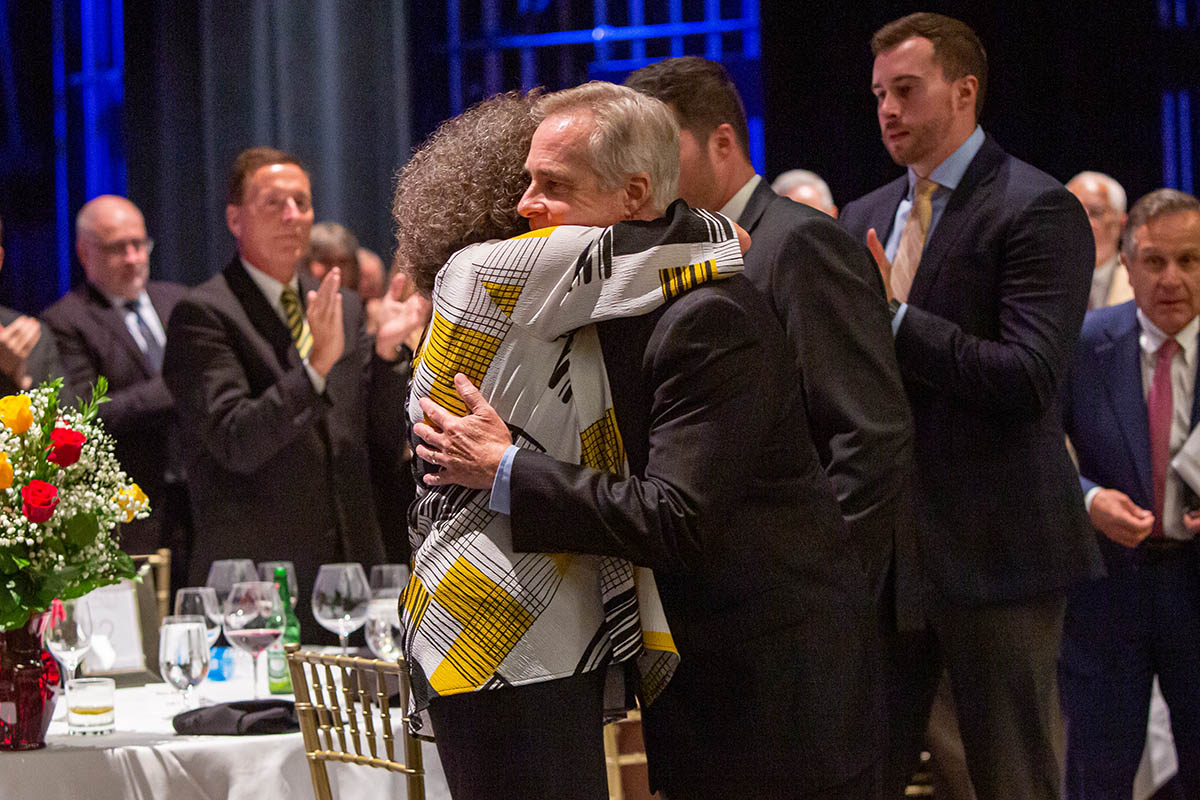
633,133
795,178
1114,190
1158,203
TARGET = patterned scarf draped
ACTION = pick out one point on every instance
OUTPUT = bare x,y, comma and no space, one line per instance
517,317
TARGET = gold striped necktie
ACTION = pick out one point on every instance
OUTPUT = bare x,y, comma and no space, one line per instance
912,239
297,324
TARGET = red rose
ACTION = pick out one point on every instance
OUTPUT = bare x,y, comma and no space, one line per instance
65,445
41,499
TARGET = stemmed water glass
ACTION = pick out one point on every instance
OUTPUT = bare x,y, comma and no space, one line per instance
70,637
201,601
254,620
183,653
224,573
388,579
266,572
340,598
382,629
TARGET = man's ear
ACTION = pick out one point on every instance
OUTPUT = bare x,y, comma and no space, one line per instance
723,142
233,219
1,256
966,89
637,195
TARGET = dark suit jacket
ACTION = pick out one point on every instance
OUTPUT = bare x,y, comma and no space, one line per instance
93,341
826,291
41,364
992,321
1104,413
767,605
275,470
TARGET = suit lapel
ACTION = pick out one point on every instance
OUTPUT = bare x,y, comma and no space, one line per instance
760,198
262,317
112,319
956,218
1120,355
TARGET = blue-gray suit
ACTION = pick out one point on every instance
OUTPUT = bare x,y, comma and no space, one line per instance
1144,617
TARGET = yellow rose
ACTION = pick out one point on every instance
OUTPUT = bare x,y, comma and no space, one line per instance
132,500
6,472
15,413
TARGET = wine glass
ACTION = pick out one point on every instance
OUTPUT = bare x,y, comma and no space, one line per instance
201,601
340,598
183,653
254,620
266,572
70,637
388,579
224,573
383,628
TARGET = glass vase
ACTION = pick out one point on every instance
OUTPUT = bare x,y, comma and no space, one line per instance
28,689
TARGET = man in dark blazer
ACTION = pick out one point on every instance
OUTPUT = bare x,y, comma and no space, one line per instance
26,356
775,693
822,287
114,324
283,400
983,334
1143,618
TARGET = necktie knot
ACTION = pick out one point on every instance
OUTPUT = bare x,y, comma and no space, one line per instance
923,201
1167,351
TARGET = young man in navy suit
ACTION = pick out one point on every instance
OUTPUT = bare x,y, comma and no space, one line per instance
987,264
1129,406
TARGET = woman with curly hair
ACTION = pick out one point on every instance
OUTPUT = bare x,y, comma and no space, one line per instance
508,651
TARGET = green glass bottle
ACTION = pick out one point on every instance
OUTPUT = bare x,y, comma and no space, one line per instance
279,679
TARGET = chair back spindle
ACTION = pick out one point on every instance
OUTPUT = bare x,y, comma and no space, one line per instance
328,714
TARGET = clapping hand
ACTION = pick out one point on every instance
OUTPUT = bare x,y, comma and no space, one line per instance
17,340
881,261
403,314
325,323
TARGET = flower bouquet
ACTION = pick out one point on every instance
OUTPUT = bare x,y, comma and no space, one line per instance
62,493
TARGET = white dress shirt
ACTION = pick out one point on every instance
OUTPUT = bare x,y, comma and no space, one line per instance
146,309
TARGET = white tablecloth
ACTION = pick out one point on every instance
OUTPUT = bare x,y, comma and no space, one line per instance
145,759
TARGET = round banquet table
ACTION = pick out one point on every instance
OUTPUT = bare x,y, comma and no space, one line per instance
144,759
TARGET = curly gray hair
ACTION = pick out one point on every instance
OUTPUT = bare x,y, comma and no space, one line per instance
463,184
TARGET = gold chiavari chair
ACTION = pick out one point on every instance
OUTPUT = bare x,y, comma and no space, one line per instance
160,563
616,757
336,730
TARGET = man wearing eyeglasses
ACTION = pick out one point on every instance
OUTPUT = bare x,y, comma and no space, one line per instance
1104,201
114,324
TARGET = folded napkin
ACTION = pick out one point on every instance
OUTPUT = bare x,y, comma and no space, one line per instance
245,717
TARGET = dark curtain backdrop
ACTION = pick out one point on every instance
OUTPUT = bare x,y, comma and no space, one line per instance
324,79
1074,85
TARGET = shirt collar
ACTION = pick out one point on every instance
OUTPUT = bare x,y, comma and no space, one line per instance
270,287
117,301
1152,338
949,173
737,204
